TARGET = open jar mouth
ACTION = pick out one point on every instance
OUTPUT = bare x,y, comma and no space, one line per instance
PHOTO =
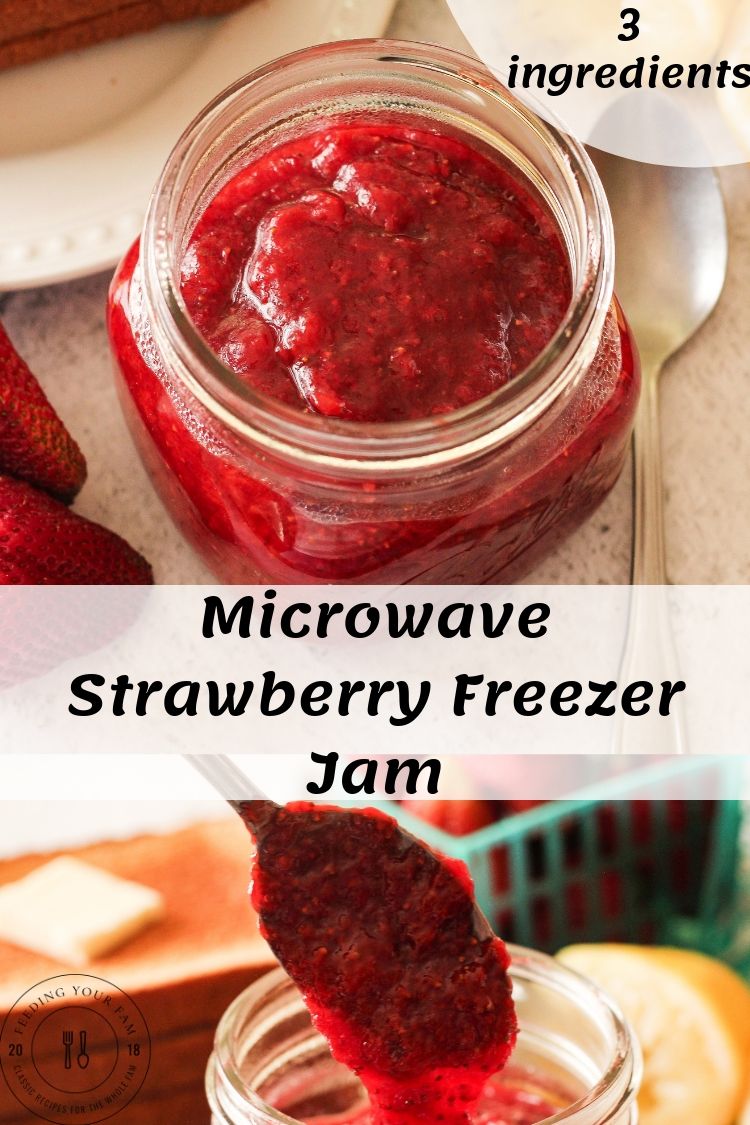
361,77
564,1019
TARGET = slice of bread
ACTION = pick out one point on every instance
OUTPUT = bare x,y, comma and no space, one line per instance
36,29
182,973
172,1094
209,930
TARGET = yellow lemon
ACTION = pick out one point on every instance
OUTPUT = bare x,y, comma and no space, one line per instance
744,1118
691,1015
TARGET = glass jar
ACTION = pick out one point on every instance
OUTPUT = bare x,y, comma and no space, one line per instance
267,493
574,1053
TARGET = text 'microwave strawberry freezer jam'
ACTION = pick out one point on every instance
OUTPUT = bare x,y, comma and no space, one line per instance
410,1011
369,331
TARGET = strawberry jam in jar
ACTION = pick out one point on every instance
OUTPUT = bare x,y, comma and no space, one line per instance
574,1062
369,332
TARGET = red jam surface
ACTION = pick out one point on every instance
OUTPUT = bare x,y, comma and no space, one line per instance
373,272
376,273
396,964
502,1102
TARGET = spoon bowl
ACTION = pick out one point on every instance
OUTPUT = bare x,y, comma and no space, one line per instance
671,261
671,249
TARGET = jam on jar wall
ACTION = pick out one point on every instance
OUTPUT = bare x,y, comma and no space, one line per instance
575,1059
267,493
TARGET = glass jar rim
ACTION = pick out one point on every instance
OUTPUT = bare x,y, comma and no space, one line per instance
391,446
526,965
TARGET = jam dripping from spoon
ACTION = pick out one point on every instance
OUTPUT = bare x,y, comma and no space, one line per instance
396,963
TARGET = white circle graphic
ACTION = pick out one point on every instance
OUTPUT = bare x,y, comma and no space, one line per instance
660,81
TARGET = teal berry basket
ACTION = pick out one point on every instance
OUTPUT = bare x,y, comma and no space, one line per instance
613,863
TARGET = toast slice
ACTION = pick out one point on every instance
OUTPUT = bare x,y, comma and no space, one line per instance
209,928
36,29
182,973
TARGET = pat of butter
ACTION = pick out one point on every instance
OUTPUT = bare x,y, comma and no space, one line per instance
73,912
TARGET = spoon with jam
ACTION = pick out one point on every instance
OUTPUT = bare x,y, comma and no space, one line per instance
396,963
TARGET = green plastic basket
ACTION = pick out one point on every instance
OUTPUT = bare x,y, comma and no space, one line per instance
608,866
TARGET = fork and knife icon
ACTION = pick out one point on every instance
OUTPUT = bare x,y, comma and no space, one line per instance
82,1059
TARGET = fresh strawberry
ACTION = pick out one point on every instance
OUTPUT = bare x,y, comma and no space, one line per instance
34,444
457,817
43,542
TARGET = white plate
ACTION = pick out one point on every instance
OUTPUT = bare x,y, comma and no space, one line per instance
88,133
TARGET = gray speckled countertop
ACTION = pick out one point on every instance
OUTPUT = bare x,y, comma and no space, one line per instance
706,415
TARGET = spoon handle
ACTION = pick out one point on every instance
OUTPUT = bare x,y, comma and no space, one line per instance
245,797
649,651
650,654
648,563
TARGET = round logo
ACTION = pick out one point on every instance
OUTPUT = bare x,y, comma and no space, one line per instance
74,1047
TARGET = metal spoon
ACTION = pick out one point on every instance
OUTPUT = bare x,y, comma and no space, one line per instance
325,938
254,807
672,249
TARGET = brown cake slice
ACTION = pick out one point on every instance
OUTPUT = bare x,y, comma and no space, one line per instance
182,972
36,29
